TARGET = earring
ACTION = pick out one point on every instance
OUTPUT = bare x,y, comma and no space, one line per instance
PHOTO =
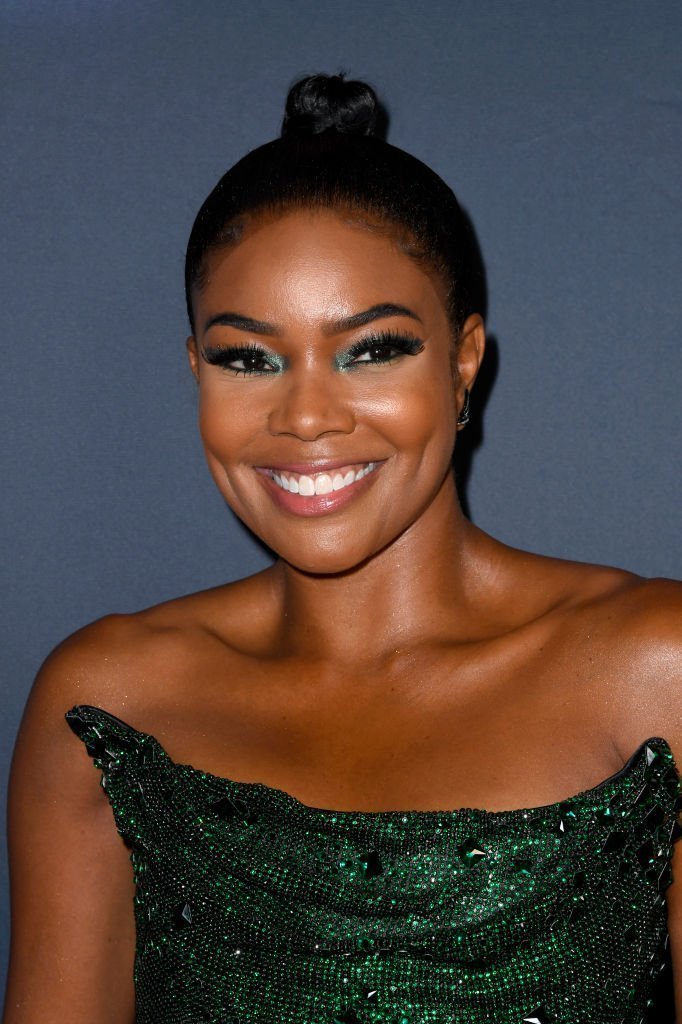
463,417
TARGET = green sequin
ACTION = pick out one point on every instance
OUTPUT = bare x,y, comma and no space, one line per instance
253,908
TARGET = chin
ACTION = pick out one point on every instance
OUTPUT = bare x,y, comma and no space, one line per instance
331,565
325,562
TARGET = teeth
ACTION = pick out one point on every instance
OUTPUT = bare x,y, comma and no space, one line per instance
321,483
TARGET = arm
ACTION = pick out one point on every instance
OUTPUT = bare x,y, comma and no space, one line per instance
73,933
674,898
641,635
658,627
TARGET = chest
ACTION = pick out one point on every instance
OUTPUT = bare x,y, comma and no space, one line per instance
431,732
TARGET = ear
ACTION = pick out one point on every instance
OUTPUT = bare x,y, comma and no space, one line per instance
193,354
469,354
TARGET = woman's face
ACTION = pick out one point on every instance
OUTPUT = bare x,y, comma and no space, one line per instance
327,402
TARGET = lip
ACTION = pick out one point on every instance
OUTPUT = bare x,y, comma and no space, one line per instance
317,466
315,504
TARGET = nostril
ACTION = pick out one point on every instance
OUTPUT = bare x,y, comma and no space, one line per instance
310,417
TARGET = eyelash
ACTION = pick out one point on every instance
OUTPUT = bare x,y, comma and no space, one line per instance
400,344
218,356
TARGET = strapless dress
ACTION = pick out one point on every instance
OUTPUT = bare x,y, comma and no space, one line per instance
254,908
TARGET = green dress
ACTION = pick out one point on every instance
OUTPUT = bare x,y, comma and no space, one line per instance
254,908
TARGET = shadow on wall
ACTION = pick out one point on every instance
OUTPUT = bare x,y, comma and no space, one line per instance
471,437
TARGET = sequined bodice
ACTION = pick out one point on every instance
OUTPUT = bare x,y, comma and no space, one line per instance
254,908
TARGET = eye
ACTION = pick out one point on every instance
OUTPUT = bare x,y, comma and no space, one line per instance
380,349
245,359
250,362
380,352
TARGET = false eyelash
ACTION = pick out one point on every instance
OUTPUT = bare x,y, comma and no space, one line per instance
218,355
405,344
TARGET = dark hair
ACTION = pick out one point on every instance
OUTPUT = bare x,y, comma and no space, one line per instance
329,155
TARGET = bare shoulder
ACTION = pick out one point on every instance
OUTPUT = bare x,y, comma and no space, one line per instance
632,618
610,595
644,615
646,633
83,668
654,607
618,647
635,633
564,586
130,664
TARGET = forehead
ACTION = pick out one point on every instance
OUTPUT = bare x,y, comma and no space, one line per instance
309,265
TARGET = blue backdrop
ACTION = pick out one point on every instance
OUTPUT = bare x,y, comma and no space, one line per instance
557,123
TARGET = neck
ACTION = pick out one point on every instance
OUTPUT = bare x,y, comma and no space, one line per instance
425,584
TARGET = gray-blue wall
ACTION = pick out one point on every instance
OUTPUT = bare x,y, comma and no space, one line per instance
557,123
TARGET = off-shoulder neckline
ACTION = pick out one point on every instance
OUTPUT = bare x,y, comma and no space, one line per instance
274,793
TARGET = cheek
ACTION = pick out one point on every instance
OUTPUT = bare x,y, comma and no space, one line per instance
226,425
419,417
225,420
414,415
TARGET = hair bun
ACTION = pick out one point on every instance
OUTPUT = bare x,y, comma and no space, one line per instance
321,103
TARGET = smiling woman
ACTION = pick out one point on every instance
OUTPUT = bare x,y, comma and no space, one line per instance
407,773
341,378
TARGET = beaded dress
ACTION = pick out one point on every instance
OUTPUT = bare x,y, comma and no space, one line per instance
254,908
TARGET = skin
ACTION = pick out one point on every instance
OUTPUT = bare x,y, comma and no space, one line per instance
391,647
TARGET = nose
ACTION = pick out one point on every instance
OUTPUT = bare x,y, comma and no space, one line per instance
309,407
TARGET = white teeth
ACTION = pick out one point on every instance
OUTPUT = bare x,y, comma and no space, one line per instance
323,484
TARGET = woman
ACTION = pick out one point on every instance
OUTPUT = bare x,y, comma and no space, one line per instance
433,776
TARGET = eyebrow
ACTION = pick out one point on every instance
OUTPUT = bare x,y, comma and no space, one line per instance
242,323
346,323
383,309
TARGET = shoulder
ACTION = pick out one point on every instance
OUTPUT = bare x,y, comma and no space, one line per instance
635,609
632,618
133,665
621,635
636,633
92,665
100,662
646,634
645,617
619,644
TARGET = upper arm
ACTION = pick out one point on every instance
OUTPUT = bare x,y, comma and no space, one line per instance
71,883
674,901
661,641
642,633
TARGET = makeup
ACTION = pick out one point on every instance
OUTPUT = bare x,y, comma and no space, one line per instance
378,349
244,360
317,489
